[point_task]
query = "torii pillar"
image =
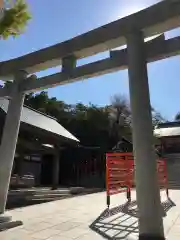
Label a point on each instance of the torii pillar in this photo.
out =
(147, 187)
(9, 140)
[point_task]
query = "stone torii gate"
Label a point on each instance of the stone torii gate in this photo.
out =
(130, 30)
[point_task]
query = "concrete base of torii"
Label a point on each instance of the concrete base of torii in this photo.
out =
(151, 238)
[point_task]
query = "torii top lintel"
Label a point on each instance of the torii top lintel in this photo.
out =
(156, 19)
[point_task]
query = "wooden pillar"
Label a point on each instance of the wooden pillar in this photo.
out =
(55, 176)
(19, 164)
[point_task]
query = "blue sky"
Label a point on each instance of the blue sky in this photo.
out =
(58, 20)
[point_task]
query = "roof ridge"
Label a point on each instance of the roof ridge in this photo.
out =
(168, 124)
(35, 110)
(50, 125)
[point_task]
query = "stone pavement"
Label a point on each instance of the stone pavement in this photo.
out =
(86, 218)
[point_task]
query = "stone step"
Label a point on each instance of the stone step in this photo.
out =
(51, 195)
(47, 198)
(21, 195)
(40, 193)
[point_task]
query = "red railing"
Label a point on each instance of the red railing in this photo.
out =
(120, 174)
(162, 175)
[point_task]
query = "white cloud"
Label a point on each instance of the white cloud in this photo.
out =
(126, 8)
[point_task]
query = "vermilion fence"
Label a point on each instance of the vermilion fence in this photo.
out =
(120, 172)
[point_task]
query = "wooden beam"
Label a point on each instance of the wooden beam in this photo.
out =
(156, 19)
(118, 61)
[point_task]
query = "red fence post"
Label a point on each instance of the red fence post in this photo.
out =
(166, 178)
(107, 181)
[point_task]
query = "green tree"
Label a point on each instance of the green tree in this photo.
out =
(38, 101)
(157, 117)
(93, 125)
(14, 19)
(120, 118)
(177, 117)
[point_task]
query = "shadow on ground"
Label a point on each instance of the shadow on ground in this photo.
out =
(24, 203)
(122, 222)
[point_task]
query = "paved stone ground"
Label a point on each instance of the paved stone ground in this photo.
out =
(86, 218)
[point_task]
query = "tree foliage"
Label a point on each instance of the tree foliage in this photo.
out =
(120, 117)
(93, 125)
(14, 19)
(157, 117)
(177, 117)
